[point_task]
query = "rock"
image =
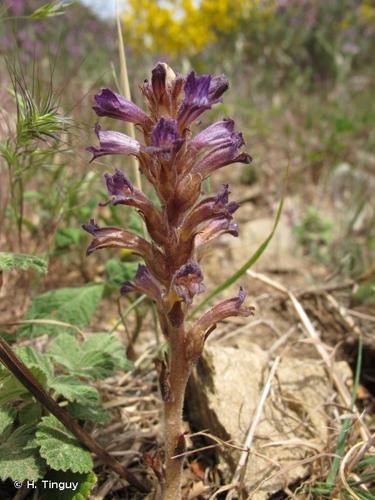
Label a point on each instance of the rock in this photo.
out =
(282, 251)
(223, 395)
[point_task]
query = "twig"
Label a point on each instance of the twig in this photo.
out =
(250, 435)
(313, 334)
(45, 322)
(26, 378)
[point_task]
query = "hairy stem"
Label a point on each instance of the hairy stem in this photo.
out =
(179, 371)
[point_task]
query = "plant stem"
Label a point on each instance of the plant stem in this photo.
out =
(180, 368)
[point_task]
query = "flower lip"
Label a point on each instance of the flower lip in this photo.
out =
(118, 183)
(113, 105)
(188, 281)
(91, 227)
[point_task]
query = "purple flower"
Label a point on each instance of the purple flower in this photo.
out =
(115, 106)
(213, 135)
(113, 143)
(223, 310)
(188, 281)
(123, 192)
(144, 282)
(219, 84)
(214, 208)
(165, 137)
(16, 6)
(225, 154)
(216, 228)
(115, 237)
(201, 92)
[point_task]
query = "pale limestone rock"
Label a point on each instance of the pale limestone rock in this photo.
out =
(223, 396)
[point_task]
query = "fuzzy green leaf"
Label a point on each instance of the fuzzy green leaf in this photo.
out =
(118, 272)
(74, 389)
(7, 416)
(19, 458)
(85, 484)
(60, 448)
(95, 413)
(35, 359)
(11, 388)
(97, 357)
(30, 414)
(9, 261)
(70, 305)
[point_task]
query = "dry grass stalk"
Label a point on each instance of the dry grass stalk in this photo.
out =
(322, 351)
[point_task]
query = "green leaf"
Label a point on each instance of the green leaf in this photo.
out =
(85, 484)
(60, 448)
(35, 359)
(7, 416)
(97, 357)
(30, 414)
(11, 388)
(70, 305)
(365, 293)
(96, 414)
(232, 279)
(74, 389)
(118, 272)
(66, 237)
(9, 261)
(19, 458)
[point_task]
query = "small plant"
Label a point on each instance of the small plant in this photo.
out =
(37, 447)
(175, 163)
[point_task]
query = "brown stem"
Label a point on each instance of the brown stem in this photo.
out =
(179, 371)
(24, 375)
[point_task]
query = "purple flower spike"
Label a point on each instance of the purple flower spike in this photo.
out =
(113, 143)
(223, 310)
(115, 106)
(188, 281)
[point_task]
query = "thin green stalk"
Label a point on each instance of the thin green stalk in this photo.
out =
(128, 310)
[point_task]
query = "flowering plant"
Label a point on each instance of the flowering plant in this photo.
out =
(176, 163)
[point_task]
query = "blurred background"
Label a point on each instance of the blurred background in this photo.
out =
(301, 91)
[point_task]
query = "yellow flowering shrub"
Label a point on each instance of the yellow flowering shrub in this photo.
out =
(184, 26)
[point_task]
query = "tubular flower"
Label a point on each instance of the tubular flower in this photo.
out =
(113, 143)
(175, 162)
